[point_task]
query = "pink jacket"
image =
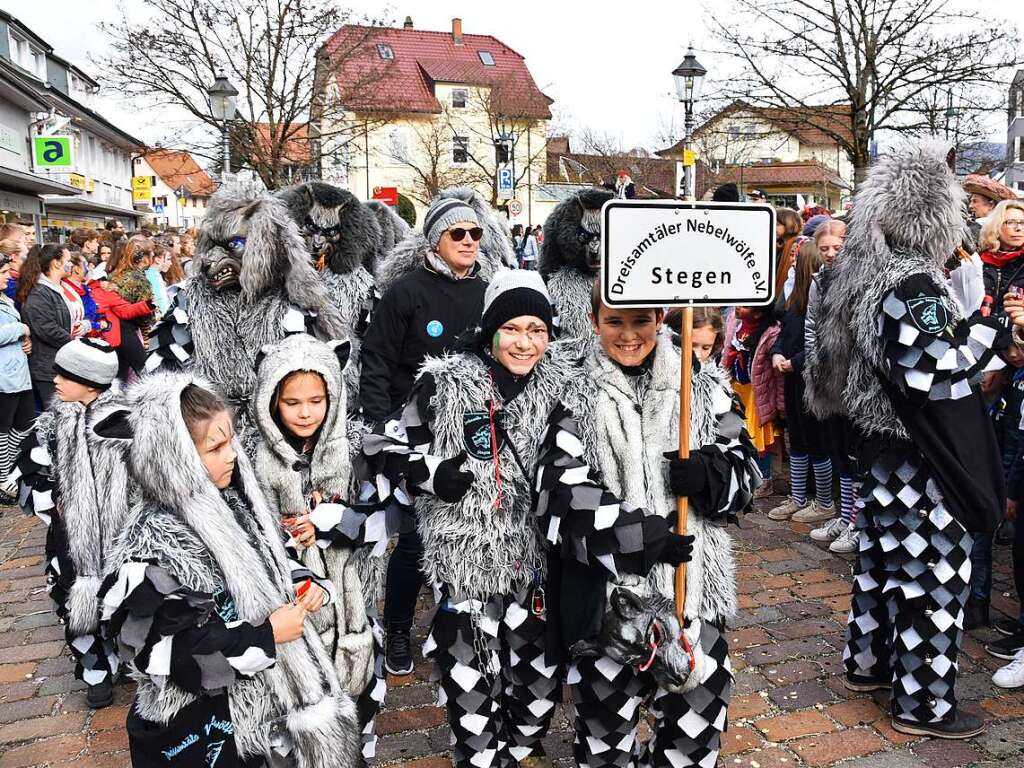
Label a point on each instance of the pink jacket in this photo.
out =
(769, 393)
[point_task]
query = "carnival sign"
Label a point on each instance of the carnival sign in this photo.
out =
(663, 253)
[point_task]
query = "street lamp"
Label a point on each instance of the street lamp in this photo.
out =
(951, 114)
(689, 78)
(222, 103)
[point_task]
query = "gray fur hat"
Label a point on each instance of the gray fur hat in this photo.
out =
(445, 212)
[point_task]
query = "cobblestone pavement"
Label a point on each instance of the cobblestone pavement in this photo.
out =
(789, 707)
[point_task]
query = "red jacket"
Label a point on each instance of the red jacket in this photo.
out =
(114, 309)
(769, 388)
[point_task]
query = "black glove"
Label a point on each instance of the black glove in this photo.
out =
(678, 549)
(686, 477)
(450, 481)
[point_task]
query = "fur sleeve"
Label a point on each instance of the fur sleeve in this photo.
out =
(170, 341)
(359, 525)
(926, 353)
(730, 462)
(581, 517)
(169, 632)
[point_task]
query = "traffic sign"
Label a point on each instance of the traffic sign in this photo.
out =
(689, 157)
(52, 151)
(158, 208)
(506, 182)
(514, 207)
(661, 253)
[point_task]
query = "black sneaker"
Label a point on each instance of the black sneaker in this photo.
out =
(864, 684)
(1007, 627)
(976, 614)
(1006, 647)
(398, 653)
(963, 726)
(100, 695)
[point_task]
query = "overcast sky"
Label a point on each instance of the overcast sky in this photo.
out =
(609, 71)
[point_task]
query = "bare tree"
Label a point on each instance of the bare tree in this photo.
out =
(271, 52)
(872, 61)
(428, 154)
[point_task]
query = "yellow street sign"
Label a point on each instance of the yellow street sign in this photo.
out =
(689, 157)
(140, 183)
(141, 195)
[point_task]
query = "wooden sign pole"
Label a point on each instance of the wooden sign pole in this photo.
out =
(685, 391)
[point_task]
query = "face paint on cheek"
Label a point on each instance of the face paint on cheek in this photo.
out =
(496, 343)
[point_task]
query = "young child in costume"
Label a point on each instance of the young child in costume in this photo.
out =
(492, 638)
(71, 476)
(626, 402)
(304, 461)
(209, 609)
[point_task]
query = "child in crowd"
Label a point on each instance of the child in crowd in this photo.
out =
(201, 596)
(17, 407)
(304, 461)
(806, 444)
(707, 331)
(76, 290)
(749, 337)
(71, 476)
(626, 425)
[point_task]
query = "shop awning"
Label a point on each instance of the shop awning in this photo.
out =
(31, 184)
(57, 204)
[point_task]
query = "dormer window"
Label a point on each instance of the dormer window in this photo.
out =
(486, 58)
(385, 52)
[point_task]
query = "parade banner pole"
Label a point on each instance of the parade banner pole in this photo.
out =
(685, 393)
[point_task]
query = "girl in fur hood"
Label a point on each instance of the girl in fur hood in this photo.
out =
(626, 400)
(201, 596)
(71, 476)
(304, 460)
(487, 408)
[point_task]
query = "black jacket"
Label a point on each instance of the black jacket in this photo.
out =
(998, 280)
(48, 317)
(790, 343)
(422, 314)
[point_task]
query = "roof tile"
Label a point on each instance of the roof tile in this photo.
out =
(179, 169)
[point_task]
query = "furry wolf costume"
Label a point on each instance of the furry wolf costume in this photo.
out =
(252, 284)
(343, 553)
(196, 575)
(495, 255)
(626, 424)
(71, 476)
(570, 258)
(346, 239)
(894, 352)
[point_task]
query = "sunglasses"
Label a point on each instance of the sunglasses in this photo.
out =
(458, 234)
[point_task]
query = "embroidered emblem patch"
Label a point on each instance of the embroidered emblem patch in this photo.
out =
(435, 328)
(476, 429)
(928, 313)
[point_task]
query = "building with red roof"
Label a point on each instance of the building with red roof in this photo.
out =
(433, 106)
(177, 191)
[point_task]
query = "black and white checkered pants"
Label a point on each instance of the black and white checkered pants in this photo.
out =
(911, 582)
(500, 692)
(95, 657)
(371, 699)
(607, 698)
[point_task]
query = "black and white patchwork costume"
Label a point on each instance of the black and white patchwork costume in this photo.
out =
(188, 594)
(217, 332)
(71, 476)
(570, 258)
(627, 421)
(896, 354)
(351, 560)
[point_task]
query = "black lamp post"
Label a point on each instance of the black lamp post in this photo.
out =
(689, 79)
(222, 103)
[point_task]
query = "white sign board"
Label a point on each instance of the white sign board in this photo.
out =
(662, 253)
(514, 208)
(505, 182)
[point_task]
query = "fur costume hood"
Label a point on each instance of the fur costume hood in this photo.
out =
(184, 524)
(341, 233)
(495, 255)
(392, 227)
(343, 626)
(564, 243)
(274, 255)
(884, 245)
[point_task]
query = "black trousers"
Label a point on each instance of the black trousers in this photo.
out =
(404, 578)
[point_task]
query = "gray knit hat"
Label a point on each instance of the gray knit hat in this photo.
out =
(444, 213)
(88, 361)
(514, 293)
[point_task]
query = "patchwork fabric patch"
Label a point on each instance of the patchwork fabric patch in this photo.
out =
(928, 313)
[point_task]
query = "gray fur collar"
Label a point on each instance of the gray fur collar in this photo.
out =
(570, 296)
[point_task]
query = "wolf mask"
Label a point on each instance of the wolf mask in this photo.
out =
(572, 234)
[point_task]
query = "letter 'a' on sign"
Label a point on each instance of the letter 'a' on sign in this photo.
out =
(666, 253)
(52, 152)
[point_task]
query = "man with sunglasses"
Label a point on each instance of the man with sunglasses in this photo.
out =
(421, 314)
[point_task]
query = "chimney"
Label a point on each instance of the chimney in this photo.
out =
(457, 31)
(408, 23)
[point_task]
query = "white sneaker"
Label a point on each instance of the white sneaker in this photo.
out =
(815, 513)
(829, 530)
(786, 509)
(846, 542)
(1012, 675)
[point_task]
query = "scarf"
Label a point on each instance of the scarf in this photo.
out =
(1000, 259)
